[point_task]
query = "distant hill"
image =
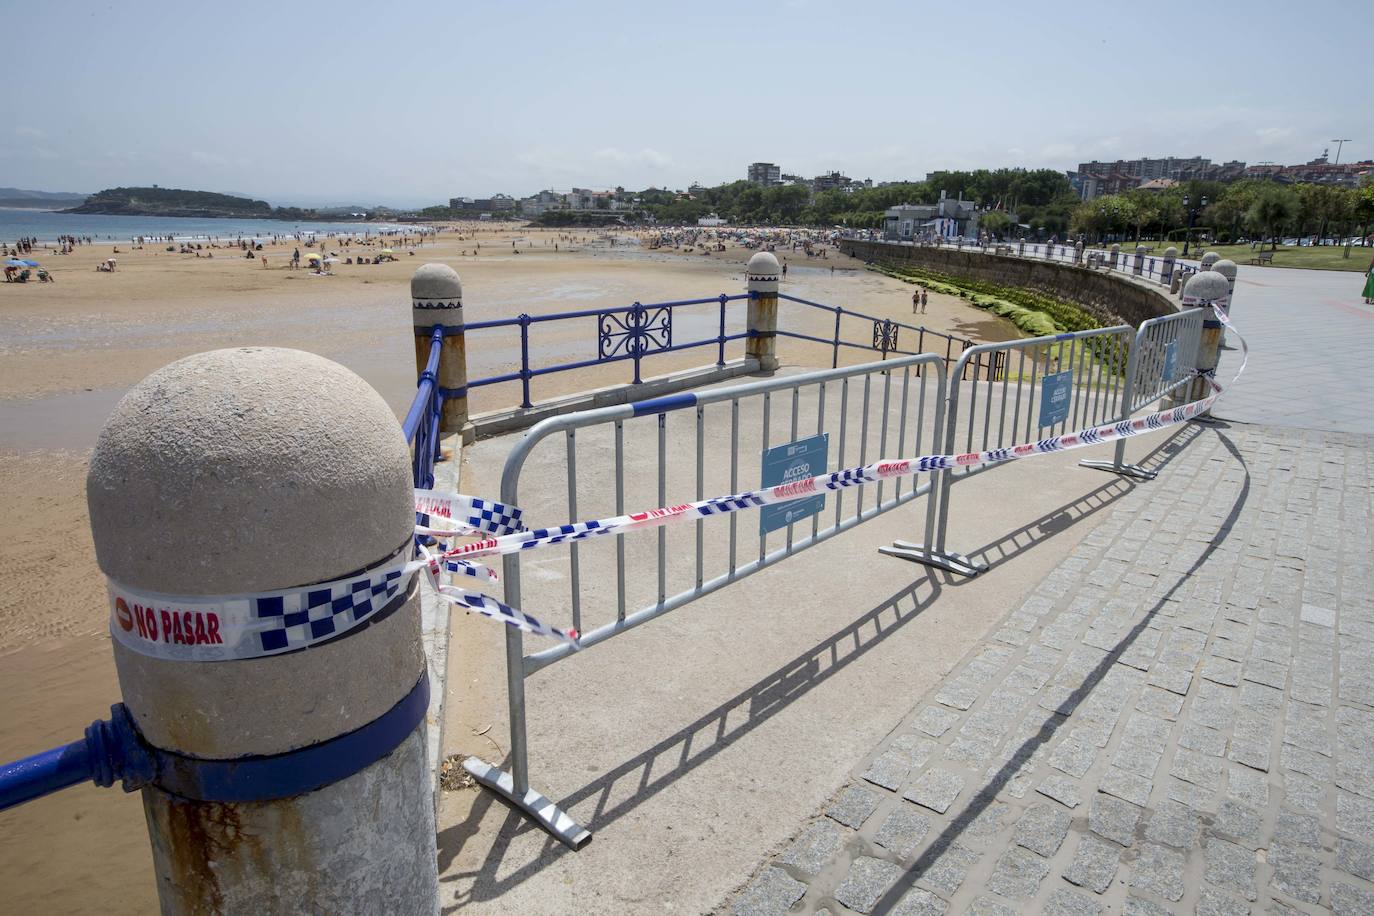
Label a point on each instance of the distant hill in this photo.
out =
(22, 198)
(178, 202)
(172, 202)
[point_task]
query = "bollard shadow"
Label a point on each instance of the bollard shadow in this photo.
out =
(660, 766)
(1055, 720)
(1034, 533)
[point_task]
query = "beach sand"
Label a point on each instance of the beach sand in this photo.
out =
(72, 348)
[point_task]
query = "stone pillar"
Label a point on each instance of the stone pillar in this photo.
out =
(1207, 260)
(237, 473)
(1049, 251)
(1227, 268)
(1166, 267)
(1139, 267)
(1176, 281)
(1203, 289)
(436, 298)
(1021, 247)
(1078, 252)
(762, 273)
(1116, 256)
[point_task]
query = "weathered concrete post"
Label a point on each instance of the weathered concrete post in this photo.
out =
(1207, 260)
(1021, 247)
(238, 499)
(436, 299)
(762, 273)
(1139, 267)
(1078, 252)
(1115, 256)
(1227, 268)
(1203, 289)
(1166, 267)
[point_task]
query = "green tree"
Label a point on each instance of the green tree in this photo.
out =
(1274, 208)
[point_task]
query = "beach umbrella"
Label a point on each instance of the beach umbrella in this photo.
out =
(387, 251)
(312, 257)
(20, 262)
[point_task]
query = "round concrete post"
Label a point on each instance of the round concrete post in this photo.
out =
(1166, 268)
(436, 299)
(1078, 252)
(218, 478)
(1203, 289)
(1116, 256)
(762, 273)
(1139, 267)
(1021, 247)
(1207, 260)
(1227, 268)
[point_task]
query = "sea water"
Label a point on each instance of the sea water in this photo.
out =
(47, 225)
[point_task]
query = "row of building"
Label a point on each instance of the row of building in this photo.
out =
(768, 174)
(1094, 179)
(500, 206)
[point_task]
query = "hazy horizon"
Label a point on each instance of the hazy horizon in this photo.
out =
(350, 104)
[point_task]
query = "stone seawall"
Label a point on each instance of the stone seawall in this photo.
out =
(1109, 297)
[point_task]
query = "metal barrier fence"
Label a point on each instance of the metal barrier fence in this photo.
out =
(1161, 362)
(867, 411)
(421, 423)
(1042, 386)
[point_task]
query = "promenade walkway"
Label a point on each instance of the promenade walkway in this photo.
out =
(1178, 718)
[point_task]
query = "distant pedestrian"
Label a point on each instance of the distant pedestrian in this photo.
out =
(1369, 284)
(915, 301)
(924, 300)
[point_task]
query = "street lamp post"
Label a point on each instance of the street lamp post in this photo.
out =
(1192, 218)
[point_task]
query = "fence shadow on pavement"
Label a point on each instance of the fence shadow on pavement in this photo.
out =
(1034, 533)
(1054, 720)
(712, 733)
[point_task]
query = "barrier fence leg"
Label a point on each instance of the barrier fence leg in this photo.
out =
(933, 552)
(1118, 463)
(514, 786)
(293, 758)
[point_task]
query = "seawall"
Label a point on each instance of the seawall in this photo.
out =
(1110, 297)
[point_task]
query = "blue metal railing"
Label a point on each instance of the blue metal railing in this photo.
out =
(421, 424)
(886, 334)
(623, 334)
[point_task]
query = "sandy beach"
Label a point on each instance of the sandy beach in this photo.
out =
(72, 348)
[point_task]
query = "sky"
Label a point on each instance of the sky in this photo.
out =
(409, 104)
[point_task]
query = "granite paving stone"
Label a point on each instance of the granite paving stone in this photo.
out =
(1114, 819)
(988, 906)
(810, 851)
(945, 868)
(1042, 828)
(770, 894)
(1297, 873)
(1160, 871)
(935, 721)
(889, 770)
(918, 902)
(1064, 902)
(1060, 788)
(902, 831)
(854, 806)
(1094, 864)
(1354, 815)
(1231, 867)
(1214, 903)
(867, 881)
(1018, 874)
(1355, 858)
(1351, 900)
(1239, 822)
(935, 789)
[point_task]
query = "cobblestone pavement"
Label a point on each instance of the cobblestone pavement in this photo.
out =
(1178, 719)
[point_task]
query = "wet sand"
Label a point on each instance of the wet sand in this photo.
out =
(72, 348)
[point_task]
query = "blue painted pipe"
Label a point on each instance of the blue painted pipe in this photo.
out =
(44, 773)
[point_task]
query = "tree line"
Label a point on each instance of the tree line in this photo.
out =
(1248, 209)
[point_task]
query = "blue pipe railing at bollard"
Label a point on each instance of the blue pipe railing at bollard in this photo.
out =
(111, 750)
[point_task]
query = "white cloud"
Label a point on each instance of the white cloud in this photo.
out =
(1274, 136)
(205, 158)
(32, 133)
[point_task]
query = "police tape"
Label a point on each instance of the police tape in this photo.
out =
(848, 477)
(213, 628)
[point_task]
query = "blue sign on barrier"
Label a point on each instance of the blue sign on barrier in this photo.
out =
(784, 464)
(1170, 360)
(1055, 393)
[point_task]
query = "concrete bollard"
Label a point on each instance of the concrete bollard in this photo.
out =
(1166, 267)
(1203, 289)
(1049, 251)
(1078, 252)
(1176, 281)
(1207, 260)
(1021, 248)
(1139, 267)
(436, 299)
(1227, 268)
(1116, 256)
(762, 274)
(217, 480)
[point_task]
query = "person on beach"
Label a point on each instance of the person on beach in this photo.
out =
(915, 301)
(924, 299)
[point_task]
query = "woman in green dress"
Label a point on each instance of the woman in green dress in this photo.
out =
(1369, 285)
